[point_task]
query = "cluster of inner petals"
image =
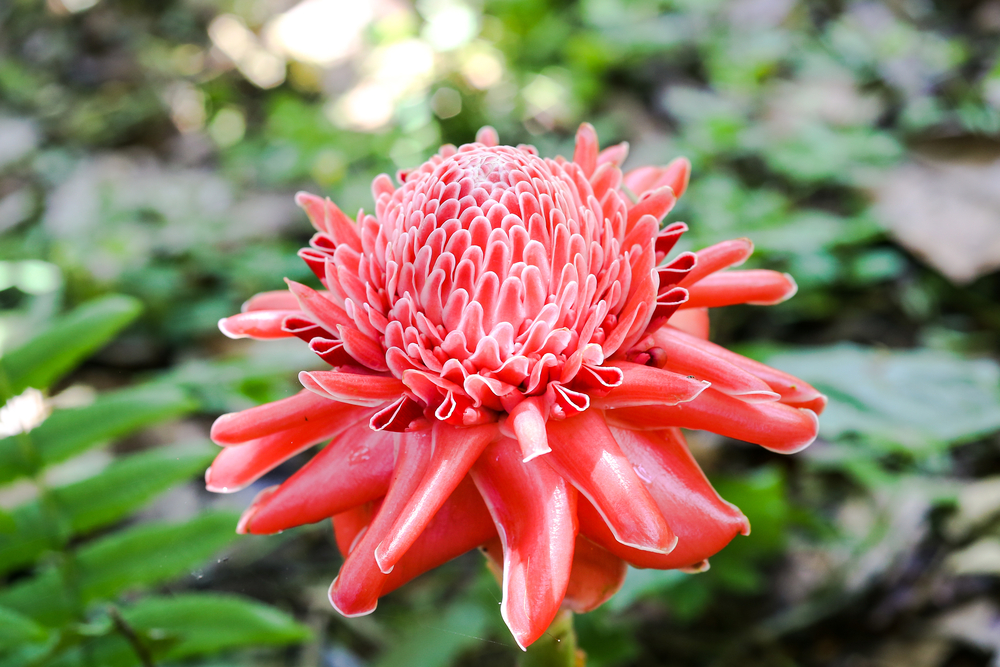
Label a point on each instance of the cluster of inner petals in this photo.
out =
(490, 275)
(512, 359)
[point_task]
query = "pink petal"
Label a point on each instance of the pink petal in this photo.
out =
(774, 426)
(693, 321)
(236, 428)
(322, 309)
(674, 272)
(403, 414)
(675, 175)
(259, 324)
(454, 451)
(363, 349)
(352, 470)
(757, 287)
(656, 203)
(646, 385)
(687, 359)
(351, 524)
(236, 467)
(356, 589)
(586, 454)
(717, 257)
(528, 422)
(331, 351)
(463, 523)
(353, 388)
(793, 391)
(303, 328)
(667, 238)
(703, 521)
(326, 217)
(537, 537)
(596, 576)
(487, 136)
(585, 154)
(613, 154)
(275, 300)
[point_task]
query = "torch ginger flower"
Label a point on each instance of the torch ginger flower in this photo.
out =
(512, 361)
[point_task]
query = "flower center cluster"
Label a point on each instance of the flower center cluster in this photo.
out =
(497, 273)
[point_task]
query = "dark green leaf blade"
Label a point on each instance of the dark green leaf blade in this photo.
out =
(66, 342)
(186, 625)
(16, 629)
(209, 622)
(915, 399)
(122, 487)
(71, 431)
(139, 556)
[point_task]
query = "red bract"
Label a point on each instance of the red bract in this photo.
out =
(512, 360)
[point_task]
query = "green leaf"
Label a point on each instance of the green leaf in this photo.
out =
(65, 343)
(207, 623)
(119, 489)
(16, 630)
(140, 556)
(915, 399)
(190, 624)
(8, 524)
(69, 432)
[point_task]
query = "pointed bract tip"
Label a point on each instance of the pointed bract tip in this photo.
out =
(697, 568)
(535, 454)
(681, 168)
(215, 488)
(243, 527)
(487, 136)
(794, 289)
(521, 636)
(229, 333)
(331, 592)
(380, 559)
(217, 433)
(749, 246)
(812, 438)
(303, 198)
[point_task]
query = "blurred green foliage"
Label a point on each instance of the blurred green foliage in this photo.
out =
(141, 155)
(66, 578)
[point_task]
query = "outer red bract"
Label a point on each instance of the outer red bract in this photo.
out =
(512, 360)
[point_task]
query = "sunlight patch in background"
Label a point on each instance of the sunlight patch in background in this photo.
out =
(320, 32)
(238, 43)
(449, 24)
(393, 72)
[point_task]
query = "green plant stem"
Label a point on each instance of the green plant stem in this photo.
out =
(557, 647)
(145, 657)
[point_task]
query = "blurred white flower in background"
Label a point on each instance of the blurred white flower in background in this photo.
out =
(22, 413)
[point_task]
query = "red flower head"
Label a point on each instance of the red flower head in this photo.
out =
(512, 361)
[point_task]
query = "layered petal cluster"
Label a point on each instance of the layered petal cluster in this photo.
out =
(513, 353)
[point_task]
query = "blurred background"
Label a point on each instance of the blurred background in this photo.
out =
(149, 152)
